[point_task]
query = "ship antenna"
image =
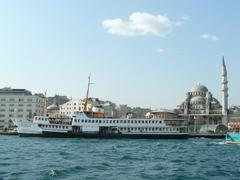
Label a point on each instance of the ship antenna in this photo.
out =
(86, 99)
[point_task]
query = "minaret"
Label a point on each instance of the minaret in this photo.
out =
(224, 93)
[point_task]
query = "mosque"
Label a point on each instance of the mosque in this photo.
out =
(202, 109)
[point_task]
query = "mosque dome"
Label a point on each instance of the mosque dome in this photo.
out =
(53, 107)
(199, 88)
(197, 100)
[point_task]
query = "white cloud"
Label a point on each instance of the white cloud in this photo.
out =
(160, 50)
(210, 37)
(142, 23)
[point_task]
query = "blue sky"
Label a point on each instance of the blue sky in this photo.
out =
(142, 53)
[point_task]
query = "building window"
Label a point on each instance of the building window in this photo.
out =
(20, 105)
(3, 104)
(3, 100)
(11, 100)
(20, 100)
(20, 110)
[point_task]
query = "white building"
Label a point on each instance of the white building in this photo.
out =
(70, 108)
(19, 103)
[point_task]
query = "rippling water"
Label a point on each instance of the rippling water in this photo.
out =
(50, 158)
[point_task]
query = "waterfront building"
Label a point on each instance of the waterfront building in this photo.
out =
(162, 114)
(53, 104)
(70, 108)
(19, 103)
(201, 108)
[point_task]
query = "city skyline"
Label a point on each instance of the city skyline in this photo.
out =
(145, 53)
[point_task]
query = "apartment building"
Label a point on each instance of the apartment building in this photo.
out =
(19, 103)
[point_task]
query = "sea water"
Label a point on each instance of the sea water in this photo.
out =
(62, 158)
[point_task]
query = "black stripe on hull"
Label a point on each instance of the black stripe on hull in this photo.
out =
(97, 135)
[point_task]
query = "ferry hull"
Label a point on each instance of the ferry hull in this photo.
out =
(107, 136)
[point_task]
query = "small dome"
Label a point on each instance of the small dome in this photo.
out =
(53, 107)
(197, 100)
(199, 88)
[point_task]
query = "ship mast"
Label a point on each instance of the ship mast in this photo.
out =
(86, 99)
(45, 103)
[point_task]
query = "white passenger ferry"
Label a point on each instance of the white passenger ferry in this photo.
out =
(91, 125)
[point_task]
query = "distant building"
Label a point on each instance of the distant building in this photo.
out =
(70, 108)
(19, 103)
(57, 99)
(53, 104)
(162, 114)
(123, 110)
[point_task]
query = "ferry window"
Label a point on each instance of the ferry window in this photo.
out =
(113, 121)
(96, 121)
(152, 129)
(131, 129)
(100, 121)
(103, 121)
(131, 121)
(156, 129)
(85, 121)
(75, 120)
(124, 121)
(153, 122)
(63, 127)
(145, 129)
(89, 121)
(139, 121)
(146, 121)
(125, 129)
(78, 120)
(135, 129)
(149, 121)
(66, 127)
(82, 120)
(177, 129)
(46, 126)
(117, 121)
(106, 121)
(128, 121)
(160, 122)
(46, 119)
(110, 121)
(93, 121)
